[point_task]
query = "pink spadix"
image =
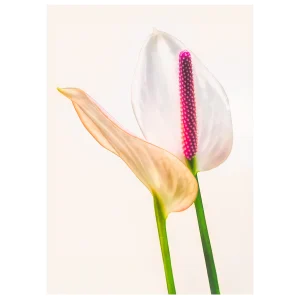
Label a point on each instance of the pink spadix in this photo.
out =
(187, 105)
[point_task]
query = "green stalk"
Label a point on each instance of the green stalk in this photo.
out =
(164, 245)
(208, 254)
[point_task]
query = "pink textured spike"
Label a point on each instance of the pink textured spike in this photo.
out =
(187, 105)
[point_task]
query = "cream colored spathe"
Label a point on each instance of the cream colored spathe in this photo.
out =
(162, 173)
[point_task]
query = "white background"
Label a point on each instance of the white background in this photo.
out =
(101, 223)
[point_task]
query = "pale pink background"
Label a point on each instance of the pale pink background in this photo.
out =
(102, 235)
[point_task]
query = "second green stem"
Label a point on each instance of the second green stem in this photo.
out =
(208, 254)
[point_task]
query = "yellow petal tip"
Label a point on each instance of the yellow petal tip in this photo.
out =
(60, 90)
(68, 92)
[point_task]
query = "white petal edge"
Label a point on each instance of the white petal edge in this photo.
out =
(161, 172)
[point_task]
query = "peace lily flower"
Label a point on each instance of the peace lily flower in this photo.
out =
(179, 104)
(181, 107)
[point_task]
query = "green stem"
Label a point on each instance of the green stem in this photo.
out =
(164, 245)
(208, 254)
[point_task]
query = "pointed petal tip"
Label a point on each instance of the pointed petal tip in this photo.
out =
(62, 91)
(68, 92)
(155, 31)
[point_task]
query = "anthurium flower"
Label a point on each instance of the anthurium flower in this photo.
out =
(179, 104)
(166, 177)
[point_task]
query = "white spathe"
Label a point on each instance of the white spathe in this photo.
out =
(156, 102)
